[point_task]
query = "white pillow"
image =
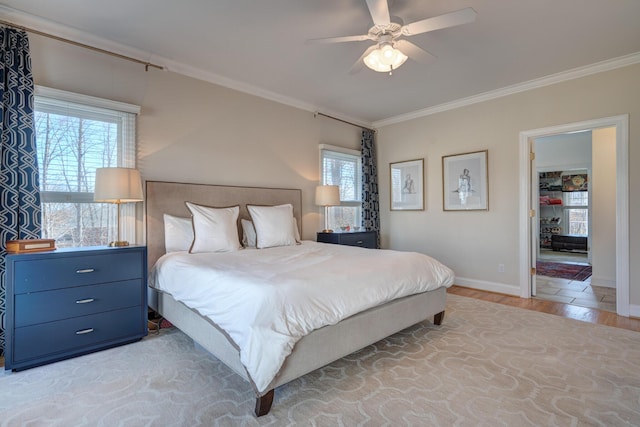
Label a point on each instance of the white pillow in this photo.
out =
(296, 232)
(178, 233)
(214, 229)
(249, 233)
(273, 224)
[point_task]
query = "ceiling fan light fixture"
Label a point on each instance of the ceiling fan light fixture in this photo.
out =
(385, 58)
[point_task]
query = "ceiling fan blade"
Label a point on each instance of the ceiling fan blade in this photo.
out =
(414, 52)
(339, 39)
(379, 10)
(359, 64)
(463, 16)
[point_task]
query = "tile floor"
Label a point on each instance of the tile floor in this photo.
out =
(576, 293)
(572, 291)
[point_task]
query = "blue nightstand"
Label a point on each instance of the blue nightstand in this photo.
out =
(70, 302)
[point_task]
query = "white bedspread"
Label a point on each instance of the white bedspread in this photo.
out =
(267, 299)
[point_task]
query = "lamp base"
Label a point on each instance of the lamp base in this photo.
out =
(327, 231)
(118, 243)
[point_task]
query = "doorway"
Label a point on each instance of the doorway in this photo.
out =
(529, 209)
(567, 193)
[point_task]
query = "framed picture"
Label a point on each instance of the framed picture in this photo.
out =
(578, 182)
(465, 182)
(407, 185)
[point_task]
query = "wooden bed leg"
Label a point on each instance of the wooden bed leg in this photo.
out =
(438, 318)
(263, 403)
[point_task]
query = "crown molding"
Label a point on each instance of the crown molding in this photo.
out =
(563, 76)
(200, 74)
(27, 20)
(49, 27)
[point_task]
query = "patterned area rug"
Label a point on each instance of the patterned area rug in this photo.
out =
(487, 365)
(579, 272)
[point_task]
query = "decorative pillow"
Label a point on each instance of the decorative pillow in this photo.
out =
(178, 233)
(214, 229)
(296, 231)
(273, 224)
(249, 233)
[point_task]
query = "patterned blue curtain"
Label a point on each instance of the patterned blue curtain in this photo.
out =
(20, 216)
(370, 198)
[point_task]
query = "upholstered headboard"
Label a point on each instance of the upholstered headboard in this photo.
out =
(169, 197)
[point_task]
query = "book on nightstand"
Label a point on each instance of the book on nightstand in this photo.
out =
(23, 246)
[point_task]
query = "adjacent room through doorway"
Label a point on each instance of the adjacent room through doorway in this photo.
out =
(567, 234)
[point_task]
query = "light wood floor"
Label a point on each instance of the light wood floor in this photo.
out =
(591, 315)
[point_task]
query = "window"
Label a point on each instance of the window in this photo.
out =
(343, 167)
(576, 212)
(76, 134)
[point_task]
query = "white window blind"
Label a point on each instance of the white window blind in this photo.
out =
(343, 167)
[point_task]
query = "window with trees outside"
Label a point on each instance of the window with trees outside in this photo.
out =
(75, 134)
(343, 167)
(576, 211)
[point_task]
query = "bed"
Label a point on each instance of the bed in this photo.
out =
(316, 348)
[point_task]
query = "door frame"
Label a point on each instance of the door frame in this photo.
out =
(621, 123)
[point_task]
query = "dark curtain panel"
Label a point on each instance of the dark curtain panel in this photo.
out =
(370, 198)
(20, 216)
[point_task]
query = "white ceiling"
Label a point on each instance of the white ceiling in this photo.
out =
(259, 46)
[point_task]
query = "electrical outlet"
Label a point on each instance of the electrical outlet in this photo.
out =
(500, 268)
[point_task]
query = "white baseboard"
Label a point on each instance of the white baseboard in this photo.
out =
(482, 285)
(634, 310)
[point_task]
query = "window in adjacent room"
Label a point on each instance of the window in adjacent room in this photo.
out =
(75, 134)
(343, 167)
(576, 211)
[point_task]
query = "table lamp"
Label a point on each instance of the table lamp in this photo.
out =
(118, 185)
(327, 195)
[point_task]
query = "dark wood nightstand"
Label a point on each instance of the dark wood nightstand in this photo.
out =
(364, 239)
(69, 302)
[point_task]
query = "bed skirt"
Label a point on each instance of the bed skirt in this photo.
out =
(315, 350)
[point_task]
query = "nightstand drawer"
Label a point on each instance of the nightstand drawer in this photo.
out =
(363, 239)
(48, 306)
(78, 333)
(62, 272)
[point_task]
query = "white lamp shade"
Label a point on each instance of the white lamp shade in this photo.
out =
(327, 195)
(118, 185)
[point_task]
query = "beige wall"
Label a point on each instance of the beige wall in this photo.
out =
(190, 130)
(603, 205)
(193, 131)
(475, 243)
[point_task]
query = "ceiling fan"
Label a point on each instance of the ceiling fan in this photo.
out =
(390, 51)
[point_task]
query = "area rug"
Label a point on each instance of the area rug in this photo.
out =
(579, 272)
(486, 365)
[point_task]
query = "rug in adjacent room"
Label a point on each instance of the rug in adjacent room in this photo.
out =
(560, 270)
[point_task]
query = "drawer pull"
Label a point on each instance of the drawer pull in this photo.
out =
(84, 331)
(85, 301)
(359, 242)
(85, 270)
